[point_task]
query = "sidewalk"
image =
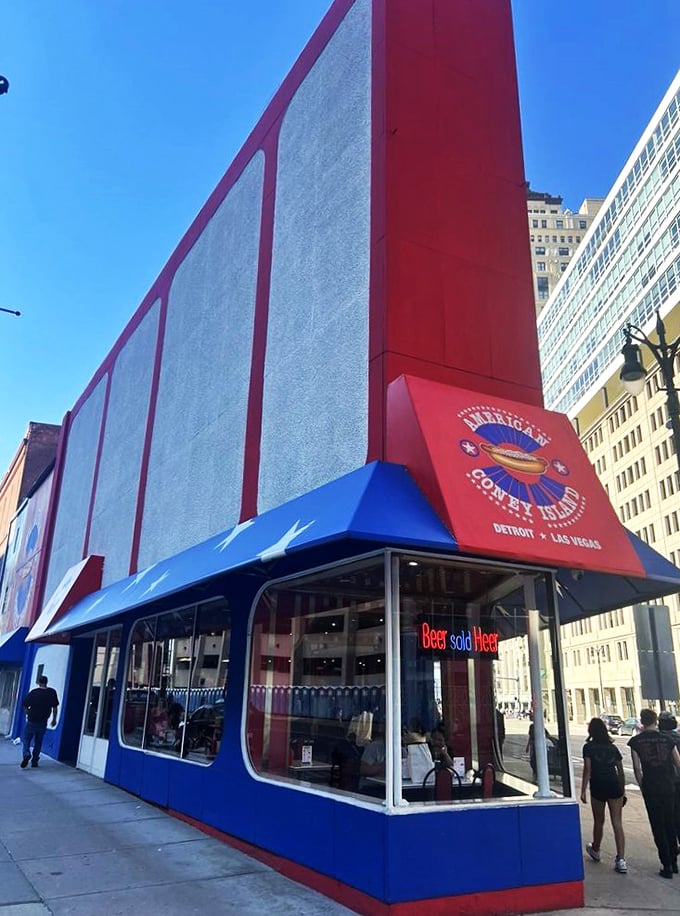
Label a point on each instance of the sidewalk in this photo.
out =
(640, 891)
(72, 844)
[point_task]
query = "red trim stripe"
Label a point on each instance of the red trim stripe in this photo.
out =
(50, 520)
(377, 250)
(97, 462)
(148, 435)
(253, 437)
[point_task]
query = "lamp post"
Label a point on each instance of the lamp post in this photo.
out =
(633, 377)
(633, 372)
(599, 651)
(10, 311)
(515, 680)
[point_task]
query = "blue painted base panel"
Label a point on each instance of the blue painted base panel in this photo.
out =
(392, 857)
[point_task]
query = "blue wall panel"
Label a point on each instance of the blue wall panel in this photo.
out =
(188, 790)
(294, 824)
(131, 766)
(550, 843)
(156, 779)
(237, 814)
(359, 842)
(113, 762)
(70, 718)
(453, 852)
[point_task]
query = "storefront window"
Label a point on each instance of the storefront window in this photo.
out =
(316, 700)
(459, 626)
(177, 671)
(102, 694)
(319, 710)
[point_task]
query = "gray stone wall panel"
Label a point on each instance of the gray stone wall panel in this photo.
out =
(315, 409)
(76, 488)
(196, 463)
(115, 504)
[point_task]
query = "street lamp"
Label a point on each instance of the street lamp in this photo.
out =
(515, 680)
(600, 651)
(632, 376)
(10, 311)
(632, 372)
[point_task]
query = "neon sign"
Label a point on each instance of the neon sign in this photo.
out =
(474, 640)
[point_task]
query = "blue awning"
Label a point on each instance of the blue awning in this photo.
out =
(13, 646)
(582, 593)
(376, 504)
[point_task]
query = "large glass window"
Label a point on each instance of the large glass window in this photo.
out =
(100, 703)
(177, 673)
(316, 698)
(472, 650)
(464, 649)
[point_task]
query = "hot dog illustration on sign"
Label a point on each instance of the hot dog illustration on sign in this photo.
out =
(524, 478)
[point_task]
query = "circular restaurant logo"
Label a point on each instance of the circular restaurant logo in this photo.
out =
(512, 466)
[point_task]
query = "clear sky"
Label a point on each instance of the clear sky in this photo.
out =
(122, 115)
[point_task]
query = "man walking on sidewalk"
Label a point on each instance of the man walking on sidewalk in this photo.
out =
(38, 703)
(668, 725)
(654, 757)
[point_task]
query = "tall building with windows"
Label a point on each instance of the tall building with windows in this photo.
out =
(555, 234)
(627, 268)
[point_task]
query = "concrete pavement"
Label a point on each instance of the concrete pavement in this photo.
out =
(640, 891)
(72, 844)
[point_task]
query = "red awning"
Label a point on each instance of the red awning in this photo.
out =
(511, 480)
(80, 580)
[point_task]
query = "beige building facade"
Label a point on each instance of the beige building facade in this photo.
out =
(626, 270)
(555, 234)
(632, 450)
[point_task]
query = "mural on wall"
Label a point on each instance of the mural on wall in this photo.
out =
(17, 592)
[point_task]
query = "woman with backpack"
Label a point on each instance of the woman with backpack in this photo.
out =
(603, 772)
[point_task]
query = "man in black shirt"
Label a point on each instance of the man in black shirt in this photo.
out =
(38, 703)
(654, 758)
(668, 725)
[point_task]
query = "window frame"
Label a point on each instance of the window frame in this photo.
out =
(394, 801)
(196, 607)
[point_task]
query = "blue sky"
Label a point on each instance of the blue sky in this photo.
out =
(123, 115)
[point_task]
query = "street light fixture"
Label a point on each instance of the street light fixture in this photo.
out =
(632, 372)
(632, 376)
(10, 311)
(600, 651)
(516, 681)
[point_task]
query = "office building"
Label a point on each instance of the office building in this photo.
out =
(627, 268)
(555, 233)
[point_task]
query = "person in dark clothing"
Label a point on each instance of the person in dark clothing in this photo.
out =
(441, 752)
(346, 764)
(603, 772)
(668, 725)
(38, 703)
(500, 730)
(654, 758)
(531, 747)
